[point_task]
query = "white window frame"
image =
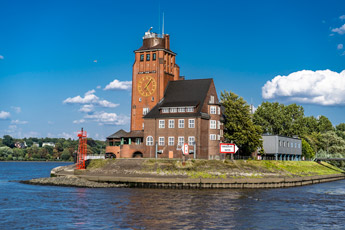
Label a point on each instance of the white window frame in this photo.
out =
(145, 110)
(161, 124)
(180, 141)
(191, 140)
(181, 123)
(218, 137)
(189, 109)
(171, 124)
(211, 99)
(173, 110)
(213, 124)
(181, 109)
(161, 141)
(191, 123)
(149, 140)
(213, 137)
(165, 110)
(171, 141)
(213, 109)
(218, 110)
(218, 125)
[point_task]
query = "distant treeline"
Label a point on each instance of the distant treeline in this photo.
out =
(43, 149)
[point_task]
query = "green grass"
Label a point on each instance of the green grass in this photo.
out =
(98, 163)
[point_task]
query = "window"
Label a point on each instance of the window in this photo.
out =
(299, 145)
(218, 127)
(181, 109)
(180, 141)
(288, 144)
(161, 141)
(284, 143)
(143, 125)
(137, 141)
(190, 109)
(212, 124)
(171, 141)
(142, 57)
(149, 141)
(145, 111)
(154, 56)
(161, 124)
(165, 110)
(212, 99)
(218, 137)
(152, 98)
(191, 140)
(280, 143)
(139, 99)
(218, 110)
(213, 137)
(147, 57)
(173, 110)
(213, 109)
(191, 123)
(171, 124)
(181, 123)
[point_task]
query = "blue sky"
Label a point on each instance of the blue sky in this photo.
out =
(51, 52)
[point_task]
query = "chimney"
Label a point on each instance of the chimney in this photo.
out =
(167, 41)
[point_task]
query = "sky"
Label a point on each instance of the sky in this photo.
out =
(68, 64)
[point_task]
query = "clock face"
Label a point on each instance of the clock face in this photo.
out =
(147, 86)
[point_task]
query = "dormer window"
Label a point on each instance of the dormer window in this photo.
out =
(189, 109)
(147, 57)
(165, 110)
(173, 110)
(181, 109)
(154, 56)
(142, 57)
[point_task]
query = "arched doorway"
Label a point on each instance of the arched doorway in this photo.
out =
(138, 155)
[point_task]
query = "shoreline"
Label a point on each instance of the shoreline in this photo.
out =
(145, 173)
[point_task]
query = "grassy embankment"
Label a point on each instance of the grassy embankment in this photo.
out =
(218, 169)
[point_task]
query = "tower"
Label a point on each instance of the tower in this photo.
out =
(153, 68)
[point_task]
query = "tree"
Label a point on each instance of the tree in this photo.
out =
(311, 124)
(340, 127)
(278, 119)
(8, 141)
(325, 124)
(307, 150)
(239, 127)
(332, 143)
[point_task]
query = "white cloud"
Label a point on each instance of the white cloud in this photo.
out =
(81, 121)
(98, 87)
(87, 108)
(322, 87)
(340, 46)
(18, 122)
(340, 30)
(67, 135)
(95, 61)
(104, 118)
(4, 115)
(16, 109)
(342, 17)
(119, 85)
(90, 98)
(1, 57)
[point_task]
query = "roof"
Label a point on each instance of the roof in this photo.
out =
(135, 133)
(118, 134)
(182, 93)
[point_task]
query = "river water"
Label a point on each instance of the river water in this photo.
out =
(23, 206)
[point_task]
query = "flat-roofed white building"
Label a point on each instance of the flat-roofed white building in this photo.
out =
(281, 147)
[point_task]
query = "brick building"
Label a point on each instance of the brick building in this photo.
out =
(168, 111)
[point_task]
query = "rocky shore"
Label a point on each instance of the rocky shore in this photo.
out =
(71, 182)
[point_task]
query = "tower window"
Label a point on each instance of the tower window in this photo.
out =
(147, 57)
(139, 99)
(142, 57)
(154, 56)
(145, 111)
(153, 99)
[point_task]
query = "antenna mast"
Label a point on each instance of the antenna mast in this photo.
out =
(163, 25)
